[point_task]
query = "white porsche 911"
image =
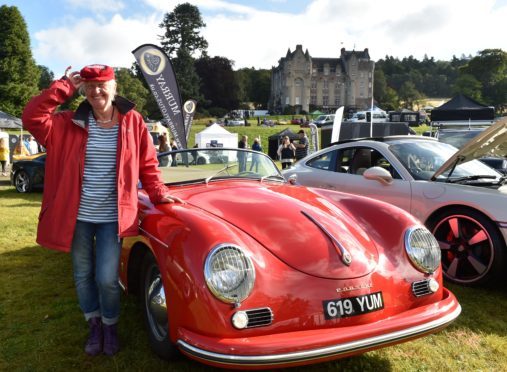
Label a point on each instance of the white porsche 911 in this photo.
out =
(461, 200)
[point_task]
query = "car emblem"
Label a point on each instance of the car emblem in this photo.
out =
(354, 287)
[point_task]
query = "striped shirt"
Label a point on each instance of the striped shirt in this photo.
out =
(99, 193)
(301, 152)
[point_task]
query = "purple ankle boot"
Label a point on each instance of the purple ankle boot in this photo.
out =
(94, 344)
(111, 342)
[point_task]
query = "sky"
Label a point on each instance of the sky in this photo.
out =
(258, 33)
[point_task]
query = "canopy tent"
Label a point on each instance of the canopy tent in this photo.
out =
(316, 113)
(9, 122)
(216, 136)
(462, 108)
(275, 139)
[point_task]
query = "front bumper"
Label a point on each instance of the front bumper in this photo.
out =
(315, 346)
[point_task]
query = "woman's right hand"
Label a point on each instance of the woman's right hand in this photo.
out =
(74, 77)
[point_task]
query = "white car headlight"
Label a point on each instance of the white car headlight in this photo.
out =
(422, 249)
(229, 273)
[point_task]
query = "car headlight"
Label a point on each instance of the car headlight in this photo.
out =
(422, 249)
(229, 273)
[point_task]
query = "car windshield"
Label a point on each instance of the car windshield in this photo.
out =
(423, 158)
(207, 164)
(457, 138)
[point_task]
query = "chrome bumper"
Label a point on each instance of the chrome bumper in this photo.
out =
(325, 352)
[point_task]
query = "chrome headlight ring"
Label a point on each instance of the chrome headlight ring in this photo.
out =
(422, 249)
(229, 273)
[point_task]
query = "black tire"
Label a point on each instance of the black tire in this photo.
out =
(201, 161)
(473, 250)
(22, 182)
(156, 320)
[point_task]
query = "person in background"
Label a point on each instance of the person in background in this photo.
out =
(163, 147)
(95, 159)
(33, 146)
(242, 156)
(4, 155)
(174, 147)
(302, 145)
(256, 146)
(21, 148)
(286, 152)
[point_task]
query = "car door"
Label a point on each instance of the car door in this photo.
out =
(352, 161)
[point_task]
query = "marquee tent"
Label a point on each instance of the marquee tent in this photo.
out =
(9, 122)
(462, 108)
(216, 136)
(275, 140)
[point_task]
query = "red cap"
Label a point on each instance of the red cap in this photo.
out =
(97, 73)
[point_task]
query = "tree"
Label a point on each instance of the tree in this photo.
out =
(180, 41)
(219, 84)
(130, 87)
(409, 94)
(490, 68)
(46, 77)
(468, 85)
(182, 30)
(254, 86)
(19, 74)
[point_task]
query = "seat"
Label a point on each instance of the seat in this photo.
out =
(360, 161)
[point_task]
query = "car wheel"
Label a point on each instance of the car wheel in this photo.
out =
(155, 309)
(22, 182)
(201, 161)
(472, 247)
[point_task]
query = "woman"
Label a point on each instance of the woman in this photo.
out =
(286, 152)
(174, 147)
(95, 158)
(256, 146)
(4, 155)
(163, 146)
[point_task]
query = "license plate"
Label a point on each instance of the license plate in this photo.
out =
(351, 306)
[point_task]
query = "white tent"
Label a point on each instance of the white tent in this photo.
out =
(216, 136)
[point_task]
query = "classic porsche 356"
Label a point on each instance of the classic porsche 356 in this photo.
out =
(252, 272)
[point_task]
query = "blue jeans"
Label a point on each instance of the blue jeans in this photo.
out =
(95, 259)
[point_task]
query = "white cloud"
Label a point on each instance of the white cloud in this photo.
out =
(97, 5)
(257, 38)
(88, 41)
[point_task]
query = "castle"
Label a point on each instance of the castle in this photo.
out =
(307, 83)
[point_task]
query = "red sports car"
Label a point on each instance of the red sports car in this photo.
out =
(252, 272)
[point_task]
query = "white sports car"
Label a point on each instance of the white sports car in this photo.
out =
(461, 200)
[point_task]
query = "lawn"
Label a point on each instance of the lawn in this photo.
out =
(42, 328)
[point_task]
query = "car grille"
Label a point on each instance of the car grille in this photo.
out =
(421, 288)
(259, 317)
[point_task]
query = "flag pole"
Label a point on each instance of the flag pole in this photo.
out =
(371, 112)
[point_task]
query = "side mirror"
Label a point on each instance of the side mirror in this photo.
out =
(292, 179)
(378, 174)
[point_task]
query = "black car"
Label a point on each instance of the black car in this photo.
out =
(459, 137)
(28, 174)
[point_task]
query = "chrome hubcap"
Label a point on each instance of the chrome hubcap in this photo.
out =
(156, 306)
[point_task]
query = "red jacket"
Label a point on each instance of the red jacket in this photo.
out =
(64, 135)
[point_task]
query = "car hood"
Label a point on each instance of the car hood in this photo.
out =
(492, 141)
(292, 229)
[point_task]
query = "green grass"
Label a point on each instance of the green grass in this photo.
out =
(42, 328)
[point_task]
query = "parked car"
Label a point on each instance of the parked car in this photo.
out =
(255, 272)
(28, 174)
(235, 122)
(461, 200)
(459, 137)
(324, 120)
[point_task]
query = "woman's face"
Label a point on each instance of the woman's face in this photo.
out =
(100, 94)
